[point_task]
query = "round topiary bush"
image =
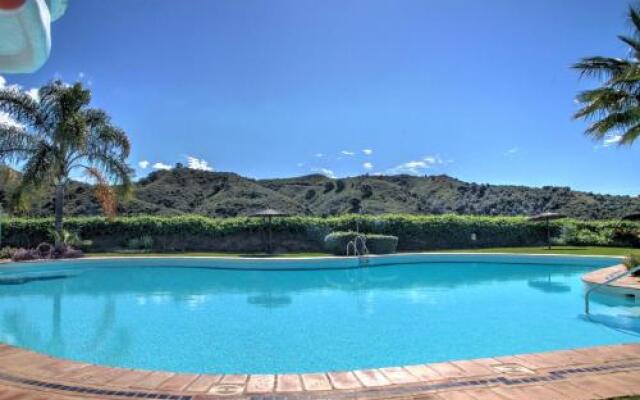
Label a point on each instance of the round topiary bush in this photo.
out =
(382, 244)
(336, 243)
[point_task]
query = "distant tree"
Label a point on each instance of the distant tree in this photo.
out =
(57, 134)
(328, 186)
(339, 185)
(310, 194)
(367, 191)
(615, 105)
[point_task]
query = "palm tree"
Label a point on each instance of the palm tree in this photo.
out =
(56, 134)
(615, 106)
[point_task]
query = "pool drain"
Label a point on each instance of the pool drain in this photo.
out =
(226, 390)
(513, 369)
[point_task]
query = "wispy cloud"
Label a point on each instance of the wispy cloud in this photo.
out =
(512, 152)
(198, 163)
(325, 171)
(419, 167)
(144, 164)
(3, 81)
(347, 153)
(160, 165)
(367, 152)
(611, 140)
(318, 155)
(367, 166)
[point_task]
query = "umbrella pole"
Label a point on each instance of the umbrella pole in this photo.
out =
(269, 248)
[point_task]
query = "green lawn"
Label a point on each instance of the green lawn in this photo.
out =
(206, 254)
(605, 251)
(577, 250)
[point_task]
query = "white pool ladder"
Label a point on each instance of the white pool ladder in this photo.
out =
(362, 255)
(608, 281)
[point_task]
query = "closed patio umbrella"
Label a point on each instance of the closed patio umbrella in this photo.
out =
(268, 214)
(547, 216)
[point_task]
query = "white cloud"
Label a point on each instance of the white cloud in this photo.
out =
(512, 151)
(144, 164)
(347, 153)
(199, 164)
(3, 82)
(419, 167)
(34, 94)
(367, 152)
(319, 155)
(367, 165)
(300, 165)
(326, 172)
(160, 165)
(611, 140)
(5, 119)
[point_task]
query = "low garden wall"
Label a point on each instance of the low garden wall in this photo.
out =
(415, 233)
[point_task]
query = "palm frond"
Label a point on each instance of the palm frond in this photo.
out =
(15, 143)
(601, 67)
(630, 135)
(39, 169)
(599, 102)
(634, 16)
(22, 108)
(614, 121)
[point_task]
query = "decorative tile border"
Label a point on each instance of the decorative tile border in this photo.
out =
(32, 371)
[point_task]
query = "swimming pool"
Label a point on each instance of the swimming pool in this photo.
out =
(277, 316)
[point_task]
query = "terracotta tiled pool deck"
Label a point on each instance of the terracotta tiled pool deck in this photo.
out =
(591, 373)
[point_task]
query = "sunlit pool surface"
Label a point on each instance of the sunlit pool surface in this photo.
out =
(188, 315)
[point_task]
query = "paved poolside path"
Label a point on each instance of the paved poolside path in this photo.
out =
(593, 373)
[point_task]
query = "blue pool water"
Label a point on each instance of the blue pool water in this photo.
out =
(188, 315)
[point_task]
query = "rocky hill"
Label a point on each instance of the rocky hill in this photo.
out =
(220, 194)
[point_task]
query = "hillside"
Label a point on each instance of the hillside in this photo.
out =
(221, 194)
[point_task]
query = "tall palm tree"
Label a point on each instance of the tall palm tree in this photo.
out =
(56, 134)
(614, 107)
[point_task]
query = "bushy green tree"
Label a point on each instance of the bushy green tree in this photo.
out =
(55, 134)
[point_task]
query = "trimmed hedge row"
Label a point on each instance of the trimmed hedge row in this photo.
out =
(414, 232)
(336, 243)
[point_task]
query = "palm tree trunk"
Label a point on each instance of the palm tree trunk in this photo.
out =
(59, 207)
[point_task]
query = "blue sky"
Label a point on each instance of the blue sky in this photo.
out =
(481, 91)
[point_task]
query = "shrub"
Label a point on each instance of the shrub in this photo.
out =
(25, 255)
(5, 253)
(336, 243)
(632, 261)
(142, 243)
(415, 232)
(382, 244)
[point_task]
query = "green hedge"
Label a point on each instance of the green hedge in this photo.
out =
(413, 232)
(336, 243)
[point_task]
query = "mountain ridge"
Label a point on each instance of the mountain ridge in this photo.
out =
(226, 194)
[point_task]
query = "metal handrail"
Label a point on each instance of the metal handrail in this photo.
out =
(354, 243)
(605, 283)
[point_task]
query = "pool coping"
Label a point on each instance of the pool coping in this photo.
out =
(36, 373)
(625, 286)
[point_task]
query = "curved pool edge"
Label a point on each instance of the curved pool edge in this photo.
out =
(335, 262)
(37, 373)
(627, 286)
